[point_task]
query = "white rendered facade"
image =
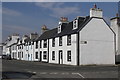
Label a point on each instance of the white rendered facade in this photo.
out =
(64, 48)
(116, 28)
(100, 46)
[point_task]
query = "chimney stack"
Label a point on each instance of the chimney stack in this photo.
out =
(96, 12)
(24, 38)
(33, 35)
(44, 28)
(15, 36)
(64, 19)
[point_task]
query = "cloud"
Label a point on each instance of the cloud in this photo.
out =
(58, 9)
(29, 0)
(10, 29)
(45, 5)
(10, 12)
(15, 28)
(58, 12)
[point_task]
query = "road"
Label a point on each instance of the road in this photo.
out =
(14, 69)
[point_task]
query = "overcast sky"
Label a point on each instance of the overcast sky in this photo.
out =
(28, 17)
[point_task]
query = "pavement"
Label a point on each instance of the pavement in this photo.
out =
(15, 69)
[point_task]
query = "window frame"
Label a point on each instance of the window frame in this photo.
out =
(41, 44)
(53, 42)
(69, 56)
(36, 46)
(59, 28)
(22, 54)
(75, 25)
(44, 54)
(60, 41)
(69, 39)
(36, 55)
(45, 43)
(53, 55)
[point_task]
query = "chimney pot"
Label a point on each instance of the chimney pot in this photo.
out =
(64, 19)
(44, 28)
(95, 6)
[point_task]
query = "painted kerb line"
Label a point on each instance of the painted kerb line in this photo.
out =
(78, 74)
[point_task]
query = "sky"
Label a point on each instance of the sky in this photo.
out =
(27, 17)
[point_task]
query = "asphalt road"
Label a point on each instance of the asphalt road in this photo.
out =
(13, 69)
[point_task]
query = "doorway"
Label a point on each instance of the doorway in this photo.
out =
(60, 57)
(40, 56)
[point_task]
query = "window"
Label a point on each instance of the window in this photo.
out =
(29, 43)
(68, 55)
(69, 40)
(75, 24)
(59, 27)
(53, 42)
(60, 41)
(40, 44)
(32, 43)
(20, 41)
(13, 54)
(36, 44)
(53, 55)
(45, 44)
(36, 55)
(22, 54)
(45, 55)
(20, 47)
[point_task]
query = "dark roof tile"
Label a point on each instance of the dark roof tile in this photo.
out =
(67, 29)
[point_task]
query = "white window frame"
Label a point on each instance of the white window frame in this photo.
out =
(75, 24)
(59, 27)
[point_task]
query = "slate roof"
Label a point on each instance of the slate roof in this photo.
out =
(48, 34)
(68, 29)
(115, 18)
(29, 40)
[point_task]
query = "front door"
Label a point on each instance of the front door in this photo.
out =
(40, 56)
(60, 57)
(31, 57)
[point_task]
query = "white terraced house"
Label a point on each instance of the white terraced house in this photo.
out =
(115, 25)
(84, 41)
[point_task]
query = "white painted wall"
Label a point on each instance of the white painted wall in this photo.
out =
(40, 49)
(14, 51)
(100, 43)
(94, 12)
(4, 49)
(64, 48)
(36, 50)
(116, 29)
(44, 49)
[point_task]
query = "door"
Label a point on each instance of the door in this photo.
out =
(60, 57)
(20, 55)
(31, 57)
(40, 56)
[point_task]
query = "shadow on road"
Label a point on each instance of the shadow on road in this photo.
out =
(16, 75)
